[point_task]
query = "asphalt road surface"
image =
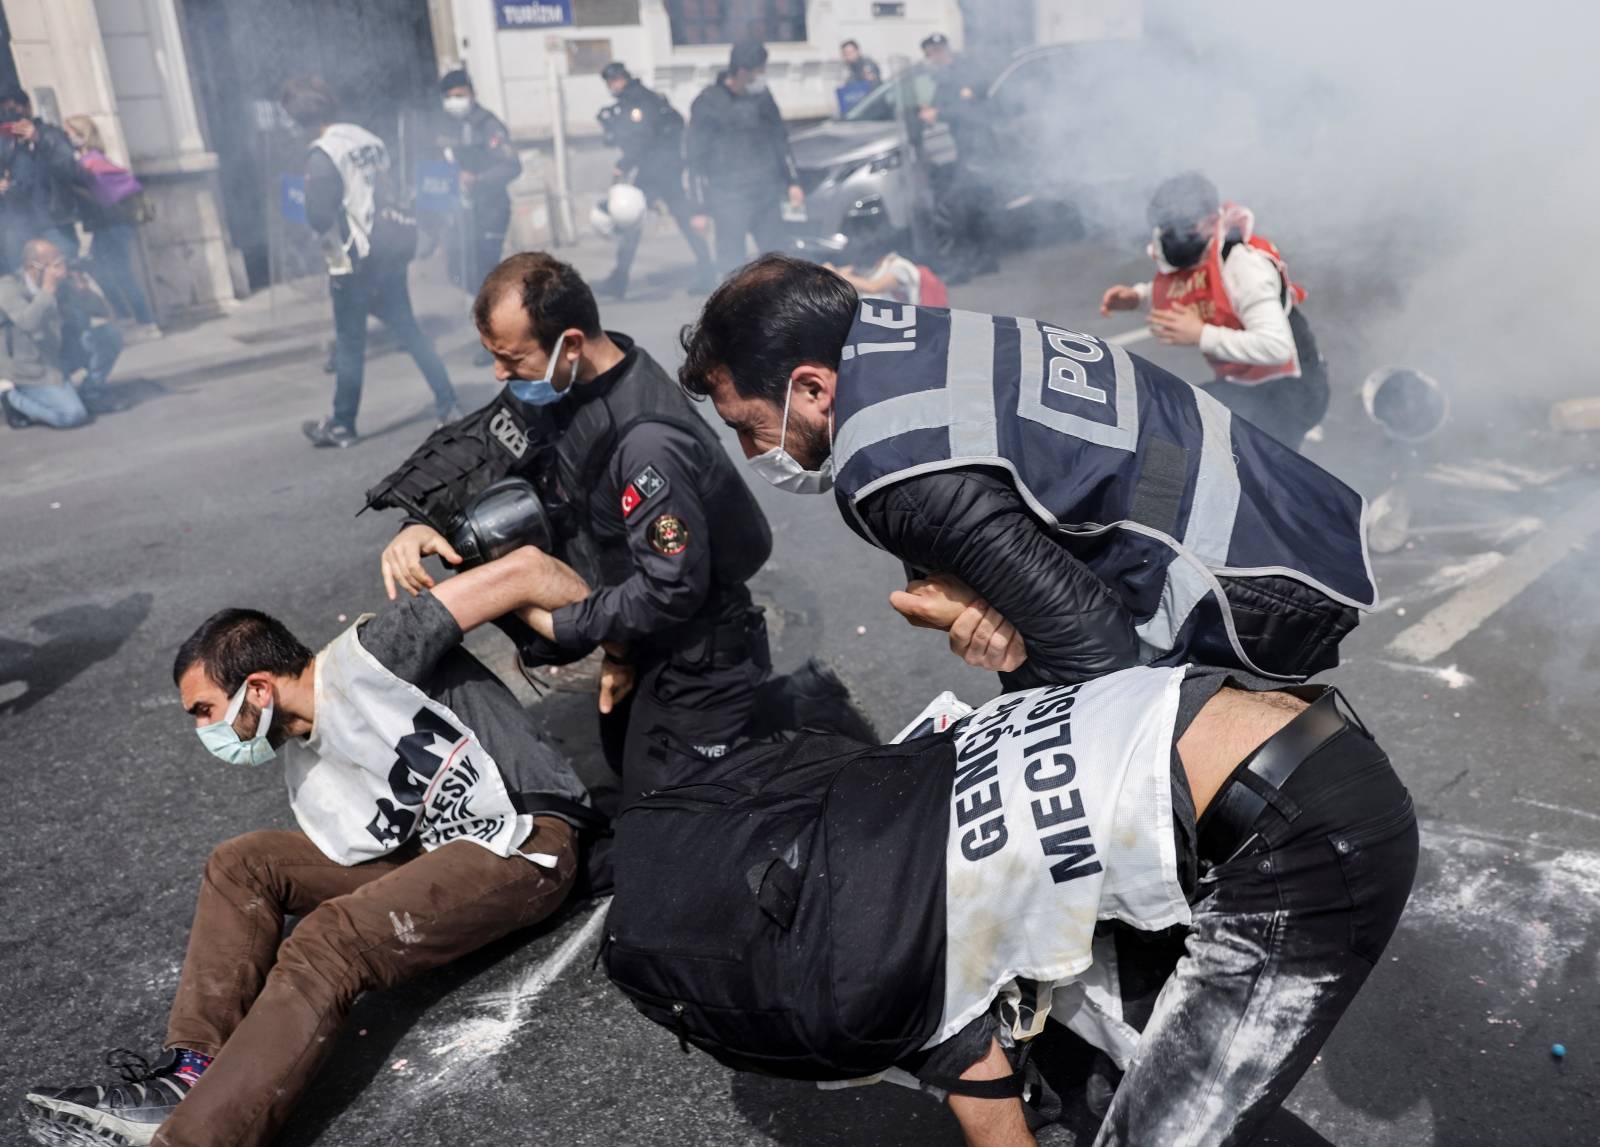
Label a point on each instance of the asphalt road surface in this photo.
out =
(1479, 675)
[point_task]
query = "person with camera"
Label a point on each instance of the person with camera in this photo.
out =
(433, 820)
(39, 182)
(643, 501)
(368, 244)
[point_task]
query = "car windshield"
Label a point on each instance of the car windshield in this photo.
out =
(882, 103)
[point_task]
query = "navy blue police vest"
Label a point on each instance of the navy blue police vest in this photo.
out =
(1148, 480)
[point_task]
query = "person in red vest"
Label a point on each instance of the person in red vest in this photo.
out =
(1225, 289)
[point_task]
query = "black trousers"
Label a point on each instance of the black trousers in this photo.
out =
(963, 220)
(1286, 408)
(665, 188)
(1285, 930)
(378, 288)
(687, 707)
(757, 212)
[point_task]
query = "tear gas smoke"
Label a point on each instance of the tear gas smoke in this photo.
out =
(1431, 167)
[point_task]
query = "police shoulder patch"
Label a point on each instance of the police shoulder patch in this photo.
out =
(646, 484)
(668, 536)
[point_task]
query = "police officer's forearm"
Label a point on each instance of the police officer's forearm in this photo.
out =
(640, 607)
(976, 528)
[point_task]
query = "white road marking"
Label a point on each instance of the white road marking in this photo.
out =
(1437, 633)
(1128, 338)
(1558, 808)
(1449, 676)
(1444, 579)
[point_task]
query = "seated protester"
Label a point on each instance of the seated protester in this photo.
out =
(1223, 288)
(1270, 823)
(46, 313)
(432, 818)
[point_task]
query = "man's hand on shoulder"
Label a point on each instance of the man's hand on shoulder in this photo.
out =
(978, 634)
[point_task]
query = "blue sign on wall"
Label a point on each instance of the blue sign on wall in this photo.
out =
(533, 13)
(292, 197)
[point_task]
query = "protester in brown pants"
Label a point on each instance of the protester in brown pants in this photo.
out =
(434, 821)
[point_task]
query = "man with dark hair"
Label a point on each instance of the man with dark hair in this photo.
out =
(646, 505)
(474, 139)
(39, 181)
(1090, 509)
(349, 203)
(649, 131)
(963, 198)
(433, 820)
(1223, 288)
(739, 159)
(863, 69)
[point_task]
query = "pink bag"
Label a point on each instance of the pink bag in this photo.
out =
(108, 183)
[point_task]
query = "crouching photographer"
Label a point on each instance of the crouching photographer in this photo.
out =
(824, 933)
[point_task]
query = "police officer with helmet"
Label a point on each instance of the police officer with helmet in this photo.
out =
(649, 132)
(642, 500)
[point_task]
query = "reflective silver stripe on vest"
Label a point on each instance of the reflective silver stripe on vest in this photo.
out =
(969, 383)
(965, 404)
(1209, 532)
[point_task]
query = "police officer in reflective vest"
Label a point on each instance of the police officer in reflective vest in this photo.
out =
(649, 131)
(1083, 510)
(1225, 289)
(648, 508)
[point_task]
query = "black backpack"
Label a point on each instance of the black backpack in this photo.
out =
(785, 914)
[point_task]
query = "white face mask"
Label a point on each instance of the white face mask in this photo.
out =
(784, 471)
(457, 106)
(755, 85)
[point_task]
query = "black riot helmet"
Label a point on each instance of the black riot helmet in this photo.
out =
(615, 70)
(505, 516)
(1176, 211)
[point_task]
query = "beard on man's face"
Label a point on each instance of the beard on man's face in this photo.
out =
(248, 723)
(807, 444)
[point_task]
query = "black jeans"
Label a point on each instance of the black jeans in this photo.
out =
(735, 213)
(111, 252)
(474, 240)
(1283, 936)
(1286, 408)
(667, 189)
(378, 288)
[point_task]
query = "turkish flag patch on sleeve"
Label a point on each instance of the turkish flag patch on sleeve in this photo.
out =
(646, 484)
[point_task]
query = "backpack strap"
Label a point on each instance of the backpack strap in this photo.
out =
(546, 803)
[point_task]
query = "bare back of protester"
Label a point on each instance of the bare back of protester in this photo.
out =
(1267, 821)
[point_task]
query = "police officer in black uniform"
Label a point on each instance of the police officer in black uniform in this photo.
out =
(962, 194)
(647, 506)
(649, 131)
(740, 164)
(473, 138)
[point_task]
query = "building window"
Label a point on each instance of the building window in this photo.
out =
(724, 21)
(605, 13)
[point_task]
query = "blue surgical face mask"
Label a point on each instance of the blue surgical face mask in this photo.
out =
(222, 740)
(542, 392)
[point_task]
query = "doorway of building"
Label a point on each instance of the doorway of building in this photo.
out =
(377, 55)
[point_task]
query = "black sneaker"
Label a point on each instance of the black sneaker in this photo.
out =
(125, 1113)
(329, 433)
(14, 417)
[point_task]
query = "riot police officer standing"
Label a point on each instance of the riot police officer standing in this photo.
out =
(739, 159)
(645, 504)
(477, 142)
(961, 192)
(649, 132)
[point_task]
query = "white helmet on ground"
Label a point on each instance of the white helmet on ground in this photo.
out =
(627, 205)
